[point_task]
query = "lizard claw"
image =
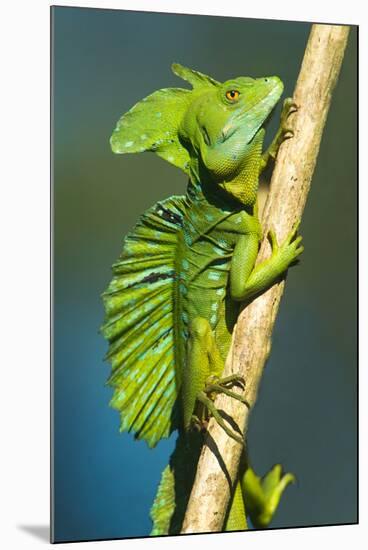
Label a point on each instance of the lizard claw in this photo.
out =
(288, 108)
(293, 232)
(273, 240)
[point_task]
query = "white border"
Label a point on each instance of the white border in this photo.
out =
(24, 218)
(289, 10)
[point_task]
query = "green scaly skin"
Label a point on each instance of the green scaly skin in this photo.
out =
(183, 273)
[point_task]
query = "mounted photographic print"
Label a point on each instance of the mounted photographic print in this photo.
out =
(204, 185)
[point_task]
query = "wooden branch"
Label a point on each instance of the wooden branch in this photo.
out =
(251, 343)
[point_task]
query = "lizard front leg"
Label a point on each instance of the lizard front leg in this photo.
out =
(284, 132)
(202, 376)
(248, 280)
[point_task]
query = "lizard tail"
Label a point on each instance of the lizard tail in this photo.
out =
(168, 509)
(170, 504)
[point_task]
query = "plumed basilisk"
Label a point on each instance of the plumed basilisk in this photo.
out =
(184, 270)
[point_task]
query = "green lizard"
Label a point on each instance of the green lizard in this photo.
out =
(183, 272)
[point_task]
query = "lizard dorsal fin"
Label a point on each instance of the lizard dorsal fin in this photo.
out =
(139, 324)
(152, 125)
(195, 78)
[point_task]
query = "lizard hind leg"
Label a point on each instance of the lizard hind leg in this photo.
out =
(202, 376)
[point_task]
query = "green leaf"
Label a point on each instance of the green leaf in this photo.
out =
(262, 496)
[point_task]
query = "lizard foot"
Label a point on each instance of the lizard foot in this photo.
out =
(288, 108)
(288, 252)
(231, 380)
(202, 397)
(217, 388)
(221, 385)
(285, 131)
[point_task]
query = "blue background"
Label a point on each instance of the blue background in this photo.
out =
(305, 418)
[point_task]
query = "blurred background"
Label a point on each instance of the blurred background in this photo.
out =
(305, 417)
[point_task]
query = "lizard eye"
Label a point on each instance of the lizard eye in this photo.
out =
(232, 95)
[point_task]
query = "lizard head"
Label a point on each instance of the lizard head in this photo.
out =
(207, 131)
(224, 126)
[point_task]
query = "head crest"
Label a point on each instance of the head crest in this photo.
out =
(195, 78)
(153, 123)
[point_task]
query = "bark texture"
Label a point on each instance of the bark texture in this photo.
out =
(251, 344)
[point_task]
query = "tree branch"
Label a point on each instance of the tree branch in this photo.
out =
(251, 341)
